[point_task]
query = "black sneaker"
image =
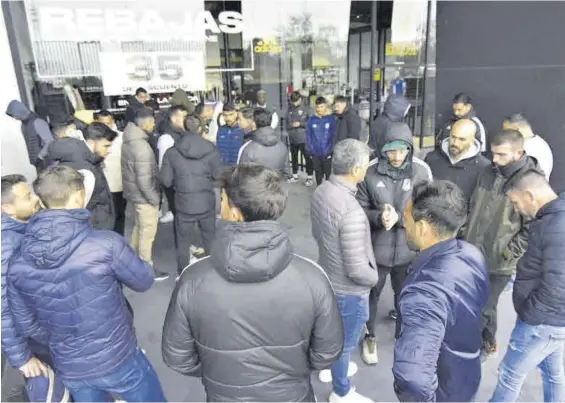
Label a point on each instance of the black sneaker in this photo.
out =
(160, 276)
(393, 315)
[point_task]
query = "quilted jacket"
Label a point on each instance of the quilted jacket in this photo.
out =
(68, 283)
(139, 168)
(14, 345)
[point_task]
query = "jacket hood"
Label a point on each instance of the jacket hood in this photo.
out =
(18, 110)
(180, 97)
(68, 149)
(251, 252)
(132, 132)
(9, 224)
(472, 152)
(53, 235)
(266, 136)
(553, 207)
(134, 102)
(396, 131)
(194, 147)
(396, 107)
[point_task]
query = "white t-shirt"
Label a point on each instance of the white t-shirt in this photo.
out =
(165, 142)
(539, 149)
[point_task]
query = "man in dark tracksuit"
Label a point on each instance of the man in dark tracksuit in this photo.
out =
(495, 227)
(395, 109)
(348, 125)
(191, 167)
(384, 194)
(296, 119)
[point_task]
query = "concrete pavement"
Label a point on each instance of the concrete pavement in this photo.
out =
(374, 382)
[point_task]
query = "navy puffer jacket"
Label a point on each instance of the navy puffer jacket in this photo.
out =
(67, 282)
(437, 357)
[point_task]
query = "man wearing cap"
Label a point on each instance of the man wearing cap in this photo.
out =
(384, 194)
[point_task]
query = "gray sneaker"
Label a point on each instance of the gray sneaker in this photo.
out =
(369, 351)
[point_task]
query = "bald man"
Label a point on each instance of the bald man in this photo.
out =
(459, 158)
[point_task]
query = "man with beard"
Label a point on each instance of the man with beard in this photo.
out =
(459, 159)
(463, 109)
(383, 195)
(262, 104)
(265, 147)
(436, 358)
(495, 227)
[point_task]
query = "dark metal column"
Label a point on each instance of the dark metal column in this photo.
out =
(426, 61)
(372, 87)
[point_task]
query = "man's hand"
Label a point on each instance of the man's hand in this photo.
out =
(33, 368)
(296, 124)
(389, 217)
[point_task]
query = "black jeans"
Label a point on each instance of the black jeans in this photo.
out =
(322, 168)
(398, 275)
(185, 230)
(170, 195)
(297, 150)
(120, 209)
(497, 285)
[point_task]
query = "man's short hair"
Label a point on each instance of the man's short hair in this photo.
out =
(340, 98)
(348, 154)
(257, 192)
(55, 185)
(60, 129)
(140, 91)
(99, 131)
(199, 108)
(192, 124)
(532, 179)
(102, 114)
(442, 204)
(517, 119)
(295, 96)
(8, 183)
(512, 137)
(228, 107)
(247, 113)
(321, 100)
(143, 114)
(176, 109)
(262, 118)
(262, 92)
(462, 98)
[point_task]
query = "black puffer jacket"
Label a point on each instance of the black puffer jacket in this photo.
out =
(300, 114)
(348, 125)
(265, 148)
(464, 173)
(379, 188)
(395, 109)
(133, 107)
(540, 280)
(254, 319)
(191, 167)
(76, 154)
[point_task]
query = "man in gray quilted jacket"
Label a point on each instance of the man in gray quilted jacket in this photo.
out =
(141, 187)
(342, 232)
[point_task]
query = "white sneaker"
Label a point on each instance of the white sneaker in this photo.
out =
(309, 182)
(352, 396)
(369, 351)
(167, 218)
(325, 375)
(292, 179)
(196, 251)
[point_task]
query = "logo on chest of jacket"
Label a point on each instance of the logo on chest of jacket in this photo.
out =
(314, 125)
(406, 185)
(327, 125)
(381, 185)
(300, 112)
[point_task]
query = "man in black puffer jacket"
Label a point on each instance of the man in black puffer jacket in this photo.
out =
(89, 154)
(191, 167)
(348, 122)
(384, 195)
(538, 339)
(265, 147)
(253, 320)
(395, 110)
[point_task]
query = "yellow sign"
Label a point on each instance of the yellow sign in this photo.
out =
(401, 49)
(268, 46)
(377, 75)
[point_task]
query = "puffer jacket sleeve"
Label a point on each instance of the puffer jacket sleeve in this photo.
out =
(24, 319)
(129, 268)
(166, 173)
(215, 165)
(178, 345)
(373, 211)
(353, 126)
(13, 344)
(145, 167)
(352, 233)
(424, 310)
(326, 342)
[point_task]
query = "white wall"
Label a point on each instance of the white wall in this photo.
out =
(14, 157)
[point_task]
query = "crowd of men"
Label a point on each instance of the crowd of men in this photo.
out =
(250, 317)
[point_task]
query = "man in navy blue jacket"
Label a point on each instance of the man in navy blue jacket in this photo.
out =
(66, 285)
(320, 133)
(19, 203)
(437, 357)
(538, 339)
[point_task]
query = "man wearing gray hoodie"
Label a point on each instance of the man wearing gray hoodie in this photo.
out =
(395, 109)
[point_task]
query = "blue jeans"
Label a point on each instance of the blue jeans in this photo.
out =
(530, 347)
(134, 381)
(354, 313)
